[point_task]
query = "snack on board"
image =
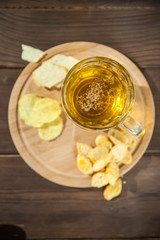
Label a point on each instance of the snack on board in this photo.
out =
(31, 54)
(101, 161)
(97, 152)
(111, 192)
(83, 149)
(119, 137)
(49, 74)
(41, 113)
(127, 159)
(131, 138)
(52, 130)
(99, 180)
(53, 71)
(45, 110)
(25, 105)
(32, 123)
(118, 152)
(103, 141)
(112, 173)
(84, 164)
(63, 60)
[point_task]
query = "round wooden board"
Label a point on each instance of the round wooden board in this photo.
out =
(56, 160)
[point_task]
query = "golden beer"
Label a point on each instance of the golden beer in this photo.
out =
(98, 93)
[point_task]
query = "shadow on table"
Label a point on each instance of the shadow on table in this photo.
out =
(11, 232)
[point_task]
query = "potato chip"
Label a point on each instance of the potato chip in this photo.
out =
(65, 61)
(101, 163)
(118, 152)
(103, 141)
(45, 110)
(31, 54)
(50, 131)
(84, 164)
(111, 192)
(117, 137)
(131, 138)
(25, 105)
(97, 152)
(32, 123)
(99, 180)
(49, 74)
(112, 173)
(83, 149)
(121, 137)
(127, 158)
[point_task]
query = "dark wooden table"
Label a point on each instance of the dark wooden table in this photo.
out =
(45, 210)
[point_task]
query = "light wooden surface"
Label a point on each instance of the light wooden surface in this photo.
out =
(56, 160)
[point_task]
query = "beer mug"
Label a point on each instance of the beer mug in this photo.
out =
(98, 94)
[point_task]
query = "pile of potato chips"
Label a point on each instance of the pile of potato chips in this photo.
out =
(103, 160)
(51, 72)
(43, 114)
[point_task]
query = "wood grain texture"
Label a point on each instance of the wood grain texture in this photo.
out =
(79, 5)
(47, 158)
(91, 238)
(152, 75)
(134, 33)
(9, 76)
(146, 238)
(7, 80)
(46, 210)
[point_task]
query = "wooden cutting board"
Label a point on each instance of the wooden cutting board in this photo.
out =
(56, 160)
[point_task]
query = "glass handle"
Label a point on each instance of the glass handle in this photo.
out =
(133, 126)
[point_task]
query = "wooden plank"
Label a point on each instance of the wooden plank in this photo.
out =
(83, 4)
(152, 76)
(46, 210)
(8, 78)
(131, 32)
(96, 238)
(79, 238)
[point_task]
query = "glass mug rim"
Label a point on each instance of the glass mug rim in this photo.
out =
(106, 61)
